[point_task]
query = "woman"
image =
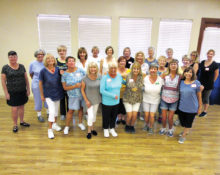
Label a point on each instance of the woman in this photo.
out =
(133, 96)
(194, 61)
(208, 75)
(151, 96)
(95, 56)
(34, 70)
(151, 58)
(127, 55)
(16, 88)
(186, 64)
(71, 81)
(109, 51)
(169, 53)
(91, 93)
(170, 96)
(51, 91)
(123, 71)
(110, 89)
(190, 101)
(82, 56)
(61, 64)
(140, 58)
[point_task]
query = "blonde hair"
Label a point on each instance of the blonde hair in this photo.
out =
(211, 50)
(142, 53)
(92, 64)
(197, 56)
(161, 58)
(112, 64)
(61, 47)
(94, 48)
(185, 57)
(47, 57)
(136, 65)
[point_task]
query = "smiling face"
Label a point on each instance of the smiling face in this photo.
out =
(93, 70)
(109, 52)
(136, 70)
(62, 53)
(153, 70)
(162, 62)
(40, 56)
(188, 75)
(13, 59)
(71, 63)
(169, 53)
(210, 55)
(82, 55)
(140, 59)
(186, 62)
(112, 71)
(122, 63)
(95, 52)
(173, 66)
(50, 61)
(127, 53)
(151, 53)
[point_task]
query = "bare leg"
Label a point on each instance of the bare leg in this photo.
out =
(128, 121)
(146, 117)
(133, 118)
(80, 114)
(14, 113)
(152, 114)
(69, 117)
(164, 118)
(185, 132)
(206, 106)
(170, 119)
(21, 113)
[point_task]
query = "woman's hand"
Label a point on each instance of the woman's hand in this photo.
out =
(78, 85)
(116, 97)
(7, 96)
(28, 92)
(199, 110)
(61, 72)
(42, 98)
(88, 104)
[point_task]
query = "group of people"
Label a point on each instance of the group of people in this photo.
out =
(125, 88)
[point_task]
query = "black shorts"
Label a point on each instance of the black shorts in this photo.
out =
(17, 98)
(186, 119)
(121, 108)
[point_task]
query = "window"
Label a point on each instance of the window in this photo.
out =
(211, 40)
(54, 30)
(174, 34)
(94, 31)
(134, 33)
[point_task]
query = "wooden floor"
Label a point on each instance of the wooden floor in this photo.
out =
(31, 152)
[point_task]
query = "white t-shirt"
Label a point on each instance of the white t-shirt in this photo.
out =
(152, 91)
(105, 65)
(96, 60)
(80, 65)
(145, 68)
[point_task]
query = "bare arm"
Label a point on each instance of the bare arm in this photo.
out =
(67, 88)
(83, 86)
(27, 83)
(41, 90)
(196, 68)
(216, 74)
(101, 66)
(31, 75)
(3, 77)
(199, 97)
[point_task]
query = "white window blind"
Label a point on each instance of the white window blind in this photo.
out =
(174, 34)
(54, 30)
(94, 31)
(211, 40)
(134, 33)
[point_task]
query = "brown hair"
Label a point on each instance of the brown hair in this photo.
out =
(81, 50)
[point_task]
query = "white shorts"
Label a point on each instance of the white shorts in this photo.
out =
(131, 108)
(150, 107)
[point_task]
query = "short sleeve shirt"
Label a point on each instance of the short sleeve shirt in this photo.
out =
(15, 79)
(188, 96)
(129, 62)
(71, 79)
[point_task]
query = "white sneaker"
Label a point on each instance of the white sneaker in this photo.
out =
(62, 117)
(141, 118)
(66, 130)
(50, 134)
(113, 133)
(56, 127)
(81, 126)
(106, 133)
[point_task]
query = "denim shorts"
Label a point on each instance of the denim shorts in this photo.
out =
(75, 103)
(168, 106)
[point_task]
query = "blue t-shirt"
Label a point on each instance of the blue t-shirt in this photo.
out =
(188, 97)
(109, 88)
(71, 79)
(51, 84)
(35, 68)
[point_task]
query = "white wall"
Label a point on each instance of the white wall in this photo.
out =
(18, 20)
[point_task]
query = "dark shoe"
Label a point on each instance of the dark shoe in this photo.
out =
(118, 121)
(94, 133)
(25, 124)
(89, 136)
(40, 119)
(132, 129)
(123, 122)
(127, 129)
(203, 114)
(15, 129)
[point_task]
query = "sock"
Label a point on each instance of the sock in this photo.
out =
(39, 113)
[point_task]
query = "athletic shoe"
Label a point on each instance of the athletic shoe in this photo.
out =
(94, 133)
(181, 140)
(89, 136)
(40, 119)
(141, 118)
(113, 133)
(106, 133)
(176, 123)
(50, 134)
(203, 114)
(66, 130)
(56, 127)
(62, 117)
(170, 133)
(162, 131)
(81, 126)
(150, 131)
(146, 128)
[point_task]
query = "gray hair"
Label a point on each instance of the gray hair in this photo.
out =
(153, 65)
(169, 49)
(151, 48)
(112, 64)
(38, 52)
